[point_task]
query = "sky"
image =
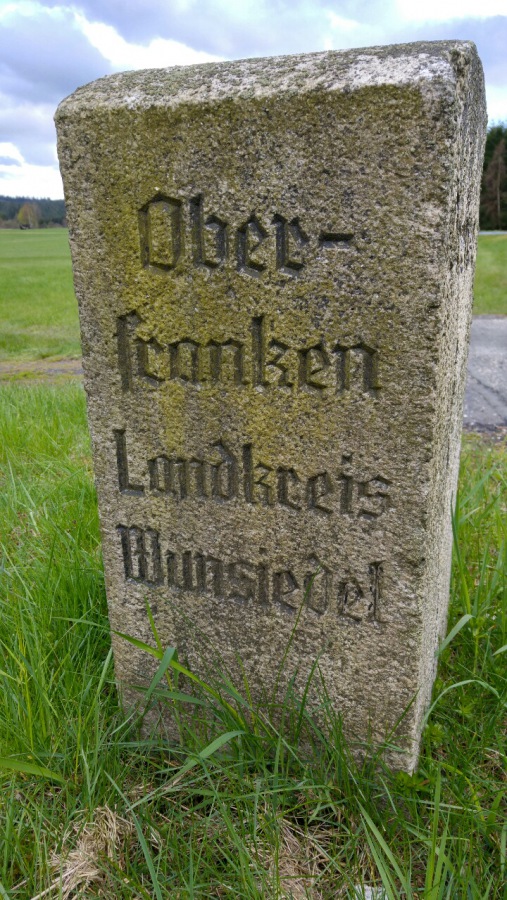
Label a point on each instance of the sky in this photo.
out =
(48, 49)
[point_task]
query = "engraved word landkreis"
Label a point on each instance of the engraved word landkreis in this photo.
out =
(221, 475)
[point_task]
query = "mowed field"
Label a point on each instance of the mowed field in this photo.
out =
(38, 309)
(490, 291)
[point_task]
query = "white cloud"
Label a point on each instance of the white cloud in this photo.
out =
(29, 128)
(226, 28)
(446, 10)
(50, 47)
(23, 180)
(125, 55)
(497, 104)
(340, 23)
(44, 55)
(20, 7)
(10, 151)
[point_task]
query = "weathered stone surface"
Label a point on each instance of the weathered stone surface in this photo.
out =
(274, 262)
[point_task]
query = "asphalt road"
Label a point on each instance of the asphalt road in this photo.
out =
(486, 390)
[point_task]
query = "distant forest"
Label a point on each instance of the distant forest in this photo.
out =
(27, 212)
(494, 181)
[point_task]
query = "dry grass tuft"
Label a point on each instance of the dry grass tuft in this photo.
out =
(305, 866)
(295, 867)
(105, 838)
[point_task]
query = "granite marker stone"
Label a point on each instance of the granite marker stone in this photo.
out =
(274, 262)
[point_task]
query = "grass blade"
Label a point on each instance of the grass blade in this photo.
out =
(452, 634)
(26, 768)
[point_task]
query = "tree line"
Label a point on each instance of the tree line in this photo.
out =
(493, 209)
(27, 212)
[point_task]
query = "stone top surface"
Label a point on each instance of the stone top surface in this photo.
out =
(433, 65)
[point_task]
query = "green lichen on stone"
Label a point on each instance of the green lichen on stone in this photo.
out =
(274, 261)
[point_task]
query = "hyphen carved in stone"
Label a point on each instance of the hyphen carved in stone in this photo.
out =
(275, 285)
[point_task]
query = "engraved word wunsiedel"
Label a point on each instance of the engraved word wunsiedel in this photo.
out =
(148, 561)
(253, 246)
(221, 476)
(260, 360)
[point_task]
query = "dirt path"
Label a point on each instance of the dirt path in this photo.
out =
(47, 371)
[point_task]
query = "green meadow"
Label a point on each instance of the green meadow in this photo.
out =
(95, 805)
(38, 309)
(490, 289)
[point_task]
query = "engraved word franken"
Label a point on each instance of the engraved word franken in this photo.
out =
(166, 224)
(148, 561)
(260, 360)
(221, 475)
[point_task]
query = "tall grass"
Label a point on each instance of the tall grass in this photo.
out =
(239, 808)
